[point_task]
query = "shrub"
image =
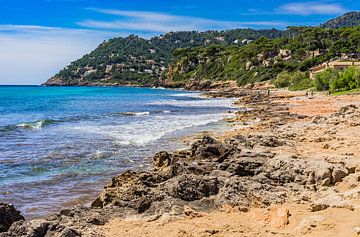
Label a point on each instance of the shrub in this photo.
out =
(283, 79)
(322, 79)
(295, 80)
(300, 81)
(348, 79)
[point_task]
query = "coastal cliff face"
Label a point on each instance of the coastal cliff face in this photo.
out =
(285, 157)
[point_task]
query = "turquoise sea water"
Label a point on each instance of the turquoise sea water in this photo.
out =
(60, 145)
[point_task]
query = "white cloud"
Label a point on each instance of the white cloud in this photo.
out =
(311, 8)
(160, 22)
(32, 54)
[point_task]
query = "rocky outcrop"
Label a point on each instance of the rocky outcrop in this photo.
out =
(8, 215)
(214, 173)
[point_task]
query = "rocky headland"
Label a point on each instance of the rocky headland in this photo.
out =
(291, 169)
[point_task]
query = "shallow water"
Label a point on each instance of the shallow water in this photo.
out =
(60, 145)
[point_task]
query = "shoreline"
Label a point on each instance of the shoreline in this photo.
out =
(39, 210)
(271, 169)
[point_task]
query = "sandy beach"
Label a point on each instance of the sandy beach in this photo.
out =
(289, 167)
(312, 138)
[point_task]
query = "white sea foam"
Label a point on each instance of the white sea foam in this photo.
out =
(226, 103)
(136, 113)
(189, 95)
(141, 132)
(35, 125)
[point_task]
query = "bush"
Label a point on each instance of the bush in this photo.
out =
(300, 81)
(283, 79)
(338, 81)
(295, 80)
(322, 79)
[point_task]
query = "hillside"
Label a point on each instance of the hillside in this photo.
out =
(264, 59)
(179, 59)
(349, 19)
(137, 61)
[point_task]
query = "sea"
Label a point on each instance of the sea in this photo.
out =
(59, 146)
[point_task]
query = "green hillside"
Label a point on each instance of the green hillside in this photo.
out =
(133, 60)
(245, 55)
(264, 58)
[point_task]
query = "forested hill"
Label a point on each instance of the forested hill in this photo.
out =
(245, 55)
(266, 59)
(349, 19)
(137, 61)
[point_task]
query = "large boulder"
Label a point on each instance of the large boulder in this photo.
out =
(207, 148)
(8, 215)
(194, 187)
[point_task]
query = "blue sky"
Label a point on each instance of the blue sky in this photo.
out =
(39, 37)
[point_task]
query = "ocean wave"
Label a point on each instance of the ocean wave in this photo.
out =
(223, 103)
(188, 95)
(37, 124)
(141, 132)
(135, 113)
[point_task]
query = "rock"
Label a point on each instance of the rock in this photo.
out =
(309, 223)
(188, 211)
(161, 160)
(207, 148)
(348, 109)
(192, 187)
(245, 166)
(8, 215)
(338, 174)
(357, 230)
(280, 217)
(332, 200)
(34, 228)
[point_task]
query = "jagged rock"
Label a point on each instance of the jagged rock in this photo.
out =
(130, 189)
(161, 160)
(34, 228)
(8, 215)
(191, 187)
(207, 148)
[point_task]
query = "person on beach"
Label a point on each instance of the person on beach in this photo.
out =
(307, 94)
(268, 92)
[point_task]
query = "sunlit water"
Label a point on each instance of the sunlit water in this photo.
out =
(59, 146)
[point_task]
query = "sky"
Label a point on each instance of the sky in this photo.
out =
(39, 37)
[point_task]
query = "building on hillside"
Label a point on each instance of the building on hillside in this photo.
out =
(337, 64)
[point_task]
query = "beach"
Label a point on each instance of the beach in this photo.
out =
(320, 129)
(289, 167)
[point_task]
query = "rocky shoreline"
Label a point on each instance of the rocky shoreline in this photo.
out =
(285, 157)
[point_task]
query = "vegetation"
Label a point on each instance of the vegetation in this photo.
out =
(349, 19)
(295, 80)
(338, 81)
(243, 55)
(136, 60)
(264, 59)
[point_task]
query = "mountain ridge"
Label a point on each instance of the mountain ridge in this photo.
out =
(349, 19)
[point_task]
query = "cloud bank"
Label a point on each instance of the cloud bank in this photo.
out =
(311, 8)
(155, 22)
(31, 54)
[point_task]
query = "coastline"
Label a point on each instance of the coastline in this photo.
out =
(263, 171)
